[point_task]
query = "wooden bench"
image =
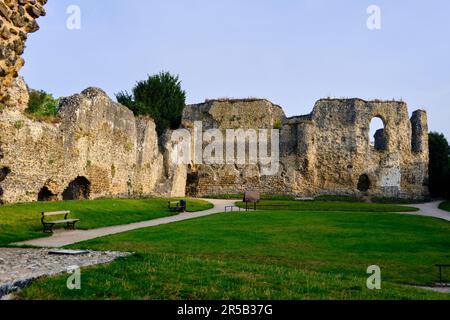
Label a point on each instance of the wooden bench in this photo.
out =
(48, 225)
(177, 206)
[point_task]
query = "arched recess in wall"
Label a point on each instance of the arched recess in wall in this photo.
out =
(46, 195)
(78, 189)
(377, 134)
(364, 183)
(4, 173)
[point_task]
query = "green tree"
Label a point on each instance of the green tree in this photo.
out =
(160, 96)
(439, 165)
(42, 104)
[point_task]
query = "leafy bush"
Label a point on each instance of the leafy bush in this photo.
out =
(439, 181)
(42, 104)
(160, 96)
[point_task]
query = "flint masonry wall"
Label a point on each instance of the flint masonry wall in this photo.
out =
(96, 139)
(232, 178)
(325, 152)
(17, 19)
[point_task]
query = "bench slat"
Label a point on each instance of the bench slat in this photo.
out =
(61, 221)
(55, 213)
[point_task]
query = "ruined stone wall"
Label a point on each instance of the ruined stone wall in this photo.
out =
(344, 154)
(325, 152)
(17, 19)
(119, 155)
(96, 138)
(211, 179)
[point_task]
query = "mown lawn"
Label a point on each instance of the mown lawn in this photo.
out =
(283, 254)
(445, 206)
(22, 221)
(328, 206)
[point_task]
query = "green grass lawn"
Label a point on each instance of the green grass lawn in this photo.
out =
(328, 206)
(22, 221)
(287, 254)
(445, 206)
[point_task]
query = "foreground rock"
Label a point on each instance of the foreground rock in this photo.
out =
(19, 267)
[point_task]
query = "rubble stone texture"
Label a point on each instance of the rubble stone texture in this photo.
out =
(325, 152)
(19, 267)
(17, 19)
(97, 140)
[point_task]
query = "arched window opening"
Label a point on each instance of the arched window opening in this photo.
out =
(377, 134)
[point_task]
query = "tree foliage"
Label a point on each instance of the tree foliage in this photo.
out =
(42, 104)
(439, 165)
(160, 96)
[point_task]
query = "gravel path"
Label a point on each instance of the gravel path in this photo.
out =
(63, 238)
(430, 209)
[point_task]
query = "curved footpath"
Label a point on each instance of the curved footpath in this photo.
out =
(63, 238)
(429, 209)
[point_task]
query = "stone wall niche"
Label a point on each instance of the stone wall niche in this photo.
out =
(78, 189)
(46, 195)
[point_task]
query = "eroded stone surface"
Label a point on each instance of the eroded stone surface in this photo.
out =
(100, 141)
(96, 140)
(20, 266)
(325, 152)
(17, 19)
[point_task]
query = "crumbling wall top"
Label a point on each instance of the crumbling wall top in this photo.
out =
(17, 19)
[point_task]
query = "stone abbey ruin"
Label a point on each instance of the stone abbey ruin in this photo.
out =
(99, 148)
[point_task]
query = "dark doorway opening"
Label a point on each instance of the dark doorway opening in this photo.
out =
(4, 173)
(192, 184)
(78, 189)
(364, 183)
(46, 195)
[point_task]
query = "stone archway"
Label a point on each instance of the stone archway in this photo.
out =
(364, 183)
(46, 195)
(378, 130)
(78, 189)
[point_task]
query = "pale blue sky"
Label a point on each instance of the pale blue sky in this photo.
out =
(292, 52)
